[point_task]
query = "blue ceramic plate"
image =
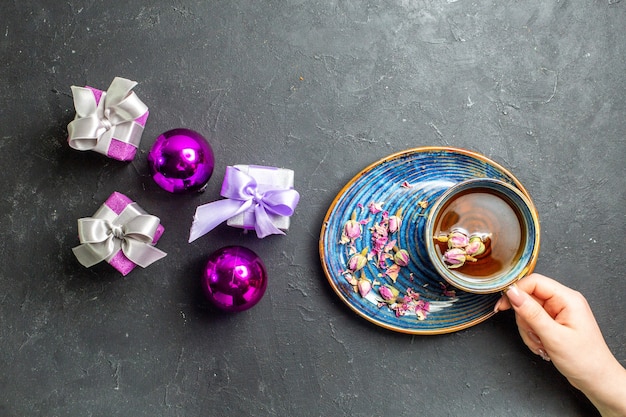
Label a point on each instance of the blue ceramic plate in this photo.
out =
(407, 183)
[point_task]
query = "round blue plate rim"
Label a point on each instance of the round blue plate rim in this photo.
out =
(434, 169)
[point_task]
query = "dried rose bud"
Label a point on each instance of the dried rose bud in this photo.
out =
(395, 222)
(389, 294)
(352, 228)
(365, 286)
(454, 257)
(475, 247)
(358, 260)
(401, 257)
(457, 239)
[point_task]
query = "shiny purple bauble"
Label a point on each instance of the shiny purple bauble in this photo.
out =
(181, 160)
(234, 278)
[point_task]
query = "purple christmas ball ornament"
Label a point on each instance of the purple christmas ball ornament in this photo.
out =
(234, 278)
(181, 160)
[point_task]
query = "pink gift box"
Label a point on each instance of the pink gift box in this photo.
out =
(119, 150)
(116, 203)
(109, 122)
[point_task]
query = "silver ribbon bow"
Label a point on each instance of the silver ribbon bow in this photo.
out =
(105, 234)
(113, 116)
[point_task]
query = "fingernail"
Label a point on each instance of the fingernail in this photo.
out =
(496, 308)
(534, 337)
(515, 297)
(543, 355)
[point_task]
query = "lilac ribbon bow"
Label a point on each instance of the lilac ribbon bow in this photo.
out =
(242, 193)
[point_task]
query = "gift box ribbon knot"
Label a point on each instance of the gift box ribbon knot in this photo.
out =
(242, 193)
(132, 232)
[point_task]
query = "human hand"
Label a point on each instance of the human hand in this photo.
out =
(557, 323)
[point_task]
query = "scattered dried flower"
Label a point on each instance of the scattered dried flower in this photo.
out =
(412, 294)
(385, 256)
(365, 286)
(401, 256)
(351, 278)
(446, 291)
(358, 260)
(351, 230)
(375, 207)
(409, 304)
(394, 222)
(392, 272)
(388, 293)
(380, 239)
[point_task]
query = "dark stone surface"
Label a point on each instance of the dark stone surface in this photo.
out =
(325, 88)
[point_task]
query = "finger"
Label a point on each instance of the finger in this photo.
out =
(553, 296)
(533, 313)
(531, 340)
(502, 304)
(525, 330)
(544, 288)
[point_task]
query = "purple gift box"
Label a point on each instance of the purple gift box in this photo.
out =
(119, 212)
(108, 122)
(256, 197)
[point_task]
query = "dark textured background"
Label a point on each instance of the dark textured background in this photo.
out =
(324, 88)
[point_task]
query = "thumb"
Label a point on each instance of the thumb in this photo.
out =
(527, 308)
